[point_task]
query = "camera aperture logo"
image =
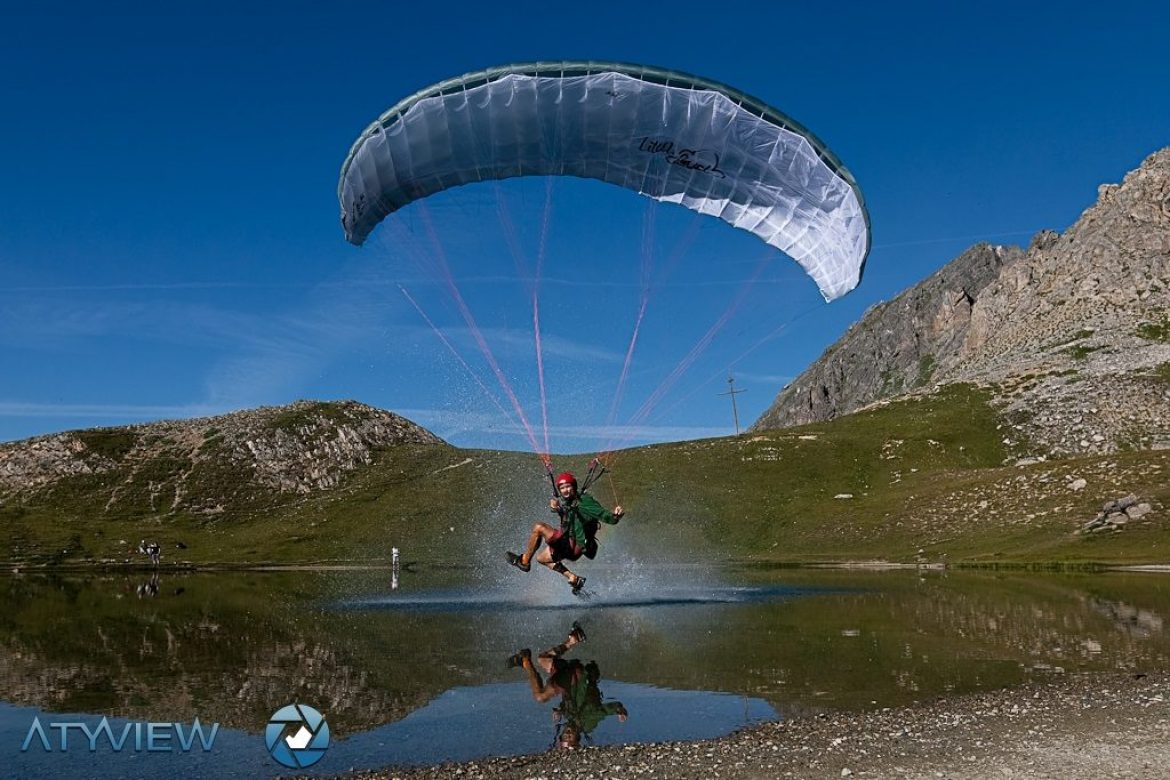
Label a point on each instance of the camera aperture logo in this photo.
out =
(297, 736)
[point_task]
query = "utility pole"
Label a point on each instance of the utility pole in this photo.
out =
(731, 391)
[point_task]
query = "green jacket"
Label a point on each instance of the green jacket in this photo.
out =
(583, 513)
(582, 703)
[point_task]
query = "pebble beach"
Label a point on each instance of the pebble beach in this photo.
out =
(1090, 726)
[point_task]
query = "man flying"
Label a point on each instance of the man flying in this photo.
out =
(580, 515)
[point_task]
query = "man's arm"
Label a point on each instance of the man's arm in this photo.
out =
(595, 511)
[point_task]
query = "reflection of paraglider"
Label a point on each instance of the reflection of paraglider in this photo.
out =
(664, 134)
(581, 709)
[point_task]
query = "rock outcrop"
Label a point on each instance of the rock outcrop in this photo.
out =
(197, 464)
(1115, 515)
(896, 346)
(1072, 335)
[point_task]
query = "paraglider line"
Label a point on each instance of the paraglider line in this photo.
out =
(684, 364)
(513, 242)
(648, 287)
(491, 396)
(540, 255)
(477, 334)
(648, 222)
(720, 373)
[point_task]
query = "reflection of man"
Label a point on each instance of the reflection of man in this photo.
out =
(581, 708)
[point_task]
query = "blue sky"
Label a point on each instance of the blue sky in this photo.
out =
(169, 237)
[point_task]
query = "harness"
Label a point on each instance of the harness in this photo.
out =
(564, 508)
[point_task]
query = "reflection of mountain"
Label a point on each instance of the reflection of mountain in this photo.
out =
(229, 648)
(912, 638)
(893, 638)
(1139, 623)
(232, 647)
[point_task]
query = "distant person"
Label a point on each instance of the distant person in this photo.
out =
(580, 516)
(581, 709)
(151, 549)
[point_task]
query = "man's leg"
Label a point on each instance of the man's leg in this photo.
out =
(544, 558)
(540, 532)
(541, 691)
(576, 637)
(536, 684)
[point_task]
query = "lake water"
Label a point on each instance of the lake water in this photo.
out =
(435, 668)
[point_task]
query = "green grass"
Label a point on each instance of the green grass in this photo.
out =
(1079, 351)
(1155, 331)
(306, 414)
(926, 367)
(112, 443)
(917, 470)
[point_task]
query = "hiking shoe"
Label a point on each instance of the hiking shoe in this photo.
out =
(518, 562)
(578, 633)
(577, 585)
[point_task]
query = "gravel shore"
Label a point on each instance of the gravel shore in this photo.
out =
(1081, 726)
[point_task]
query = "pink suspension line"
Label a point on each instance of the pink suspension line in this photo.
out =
(540, 255)
(491, 396)
(640, 415)
(647, 288)
(514, 246)
(644, 278)
(735, 361)
(477, 334)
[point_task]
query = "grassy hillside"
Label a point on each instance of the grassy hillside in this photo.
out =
(920, 479)
(924, 473)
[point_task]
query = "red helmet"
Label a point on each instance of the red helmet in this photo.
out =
(566, 477)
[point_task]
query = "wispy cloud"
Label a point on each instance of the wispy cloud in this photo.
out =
(153, 287)
(453, 425)
(263, 357)
(512, 343)
(282, 352)
(45, 321)
(979, 237)
(769, 379)
(111, 411)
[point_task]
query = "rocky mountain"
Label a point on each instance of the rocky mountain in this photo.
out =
(1071, 335)
(202, 465)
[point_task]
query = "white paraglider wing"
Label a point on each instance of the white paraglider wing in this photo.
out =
(668, 136)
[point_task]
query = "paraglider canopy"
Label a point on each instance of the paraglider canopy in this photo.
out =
(667, 135)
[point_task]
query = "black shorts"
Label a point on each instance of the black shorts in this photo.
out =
(564, 547)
